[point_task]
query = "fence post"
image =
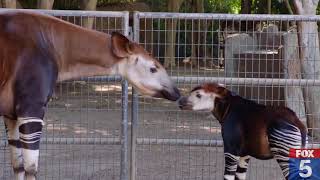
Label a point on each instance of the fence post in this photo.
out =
(124, 132)
(135, 109)
(124, 125)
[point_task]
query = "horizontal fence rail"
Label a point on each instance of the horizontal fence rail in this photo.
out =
(78, 13)
(249, 81)
(236, 17)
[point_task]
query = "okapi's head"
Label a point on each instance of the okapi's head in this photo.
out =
(206, 97)
(142, 70)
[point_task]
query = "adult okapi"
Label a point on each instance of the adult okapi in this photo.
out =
(37, 50)
(249, 129)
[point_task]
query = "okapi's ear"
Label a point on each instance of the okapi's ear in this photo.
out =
(120, 45)
(223, 92)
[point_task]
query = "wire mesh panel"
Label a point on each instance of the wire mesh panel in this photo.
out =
(82, 133)
(257, 57)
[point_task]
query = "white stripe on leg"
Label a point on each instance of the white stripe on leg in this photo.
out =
(30, 130)
(242, 167)
(241, 176)
(229, 177)
(31, 158)
(15, 148)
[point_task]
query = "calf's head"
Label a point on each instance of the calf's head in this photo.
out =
(142, 70)
(204, 97)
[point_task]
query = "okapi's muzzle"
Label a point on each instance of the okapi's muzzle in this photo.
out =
(172, 94)
(184, 104)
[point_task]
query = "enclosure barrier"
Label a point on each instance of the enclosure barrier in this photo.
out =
(266, 76)
(167, 143)
(105, 22)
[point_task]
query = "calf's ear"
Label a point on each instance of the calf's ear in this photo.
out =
(120, 45)
(223, 92)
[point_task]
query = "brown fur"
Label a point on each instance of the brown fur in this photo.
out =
(76, 51)
(256, 133)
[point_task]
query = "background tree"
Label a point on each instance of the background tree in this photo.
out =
(10, 3)
(45, 4)
(199, 34)
(88, 5)
(171, 26)
(246, 6)
(309, 58)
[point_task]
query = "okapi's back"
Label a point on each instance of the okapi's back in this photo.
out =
(19, 32)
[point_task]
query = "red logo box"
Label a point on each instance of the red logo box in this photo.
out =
(304, 153)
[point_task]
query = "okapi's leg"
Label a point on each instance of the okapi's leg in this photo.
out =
(282, 137)
(15, 148)
(231, 162)
(242, 167)
(34, 84)
(30, 130)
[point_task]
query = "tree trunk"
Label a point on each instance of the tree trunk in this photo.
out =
(309, 58)
(171, 26)
(197, 37)
(88, 5)
(269, 6)
(287, 3)
(292, 70)
(246, 6)
(45, 4)
(246, 9)
(11, 4)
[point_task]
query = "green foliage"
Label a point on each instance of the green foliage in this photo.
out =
(222, 6)
(156, 5)
(67, 4)
(28, 4)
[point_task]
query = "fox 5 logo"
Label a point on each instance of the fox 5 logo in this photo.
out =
(304, 164)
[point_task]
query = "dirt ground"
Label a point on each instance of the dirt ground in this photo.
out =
(82, 110)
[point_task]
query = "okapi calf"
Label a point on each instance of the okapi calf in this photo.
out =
(248, 128)
(38, 50)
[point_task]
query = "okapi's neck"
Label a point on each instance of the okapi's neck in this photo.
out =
(221, 109)
(82, 52)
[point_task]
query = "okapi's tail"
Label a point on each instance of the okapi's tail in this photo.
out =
(304, 137)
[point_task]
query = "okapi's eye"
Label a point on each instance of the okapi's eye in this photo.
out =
(198, 96)
(153, 70)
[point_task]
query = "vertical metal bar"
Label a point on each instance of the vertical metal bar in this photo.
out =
(124, 124)
(135, 108)
(124, 133)
(134, 128)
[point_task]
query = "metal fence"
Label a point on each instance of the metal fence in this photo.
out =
(86, 134)
(257, 56)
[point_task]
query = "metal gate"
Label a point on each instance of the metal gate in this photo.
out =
(85, 135)
(254, 55)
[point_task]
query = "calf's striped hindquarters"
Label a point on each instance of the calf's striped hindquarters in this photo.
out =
(248, 129)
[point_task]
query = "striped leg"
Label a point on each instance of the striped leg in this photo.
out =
(282, 138)
(242, 167)
(231, 162)
(30, 130)
(15, 148)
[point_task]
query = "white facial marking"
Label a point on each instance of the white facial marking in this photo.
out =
(201, 100)
(144, 74)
